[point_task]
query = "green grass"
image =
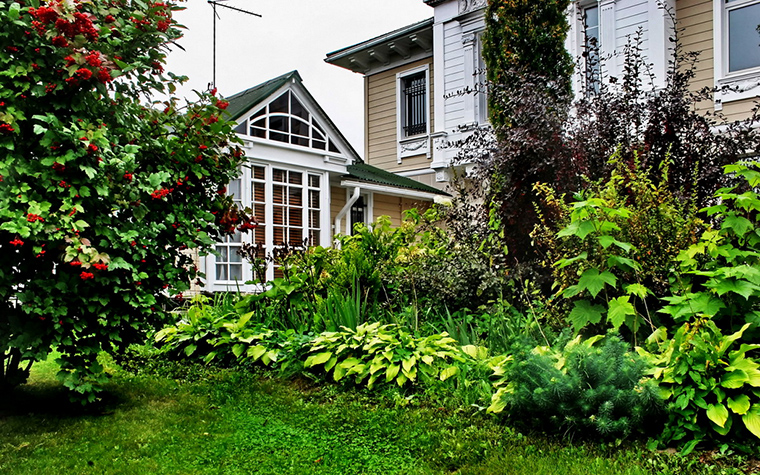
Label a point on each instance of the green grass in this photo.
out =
(228, 422)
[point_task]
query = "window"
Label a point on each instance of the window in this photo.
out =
(288, 207)
(286, 120)
(591, 48)
(742, 41)
(414, 104)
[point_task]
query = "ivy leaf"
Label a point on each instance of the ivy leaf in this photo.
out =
(584, 313)
(718, 414)
(619, 308)
(594, 281)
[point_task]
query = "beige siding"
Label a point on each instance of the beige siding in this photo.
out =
(381, 129)
(695, 20)
(337, 202)
(384, 205)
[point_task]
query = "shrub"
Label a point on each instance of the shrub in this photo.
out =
(103, 200)
(584, 388)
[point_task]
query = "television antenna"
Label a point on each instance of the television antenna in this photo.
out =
(214, 4)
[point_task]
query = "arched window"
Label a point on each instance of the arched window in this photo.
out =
(286, 120)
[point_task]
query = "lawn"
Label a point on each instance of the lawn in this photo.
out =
(232, 422)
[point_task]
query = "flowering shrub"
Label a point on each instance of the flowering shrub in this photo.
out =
(103, 199)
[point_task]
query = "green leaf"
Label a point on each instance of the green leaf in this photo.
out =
(752, 420)
(717, 413)
(449, 372)
(190, 349)
(738, 224)
(238, 350)
(638, 290)
(739, 405)
(391, 372)
(585, 313)
(256, 352)
(619, 308)
(734, 379)
(594, 281)
(319, 358)
(741, 287)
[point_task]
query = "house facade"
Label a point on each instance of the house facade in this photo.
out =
(440, 59)
(302, 180)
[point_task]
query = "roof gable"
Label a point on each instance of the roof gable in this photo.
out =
(282, 110)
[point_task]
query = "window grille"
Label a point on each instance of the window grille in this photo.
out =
(415, 115)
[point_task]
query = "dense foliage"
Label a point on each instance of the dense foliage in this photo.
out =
(524, 37)
(103, 200)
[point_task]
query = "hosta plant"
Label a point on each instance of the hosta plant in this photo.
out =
(382, 353)
(711, 385)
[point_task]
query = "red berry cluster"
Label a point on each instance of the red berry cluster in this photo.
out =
(31, 217)
(86, 275)
(17, 242)
(6, 128)
(100, 266)
(158, 194)
(59, 167)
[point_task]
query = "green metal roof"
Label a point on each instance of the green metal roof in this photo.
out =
(242, 102)
(365, 172)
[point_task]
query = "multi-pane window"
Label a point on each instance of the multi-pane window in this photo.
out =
(414, 100)
(229, 263)
(591, 47)
(742, 20)
(287, 206)
(286, 120)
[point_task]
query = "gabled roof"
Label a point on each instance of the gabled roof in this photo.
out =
(365, 172)
(244, 101)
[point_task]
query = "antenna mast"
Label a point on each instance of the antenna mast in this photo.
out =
(214, 4)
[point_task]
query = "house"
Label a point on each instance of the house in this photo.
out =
(423, 82)
(302, 180)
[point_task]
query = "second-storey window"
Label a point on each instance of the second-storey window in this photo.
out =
(591, 48)
(742, 18)
(414, 101)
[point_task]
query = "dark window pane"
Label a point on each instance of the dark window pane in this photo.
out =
(280, 104)
(278, 123)
(261, 123)
(258, 192)
(316, 126)
(296, 178)
(236, 272)
(260, 133)
(258, 173)
(302, 141)
(333, 148)
(279, 175)
(241, 128)
(297, 109)
(278, 194)
(296, 197)
(415, 115)
(299, 127)
(259, 214)
(314, 219)
(278, 136)
(295, 237)
(314, 181)
(279, 236)
(318, 144)
(295, 217)
(314, 199)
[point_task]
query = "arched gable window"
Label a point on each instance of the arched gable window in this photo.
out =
(286, 120)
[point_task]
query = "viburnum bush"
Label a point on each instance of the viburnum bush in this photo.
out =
(105, 193)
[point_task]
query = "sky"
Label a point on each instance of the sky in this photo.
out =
(291, 34)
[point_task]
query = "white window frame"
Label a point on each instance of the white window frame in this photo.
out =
(746, 80)
(417, 144)
(247, 200)
(576, 43)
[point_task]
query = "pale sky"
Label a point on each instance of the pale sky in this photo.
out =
(292, 34)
